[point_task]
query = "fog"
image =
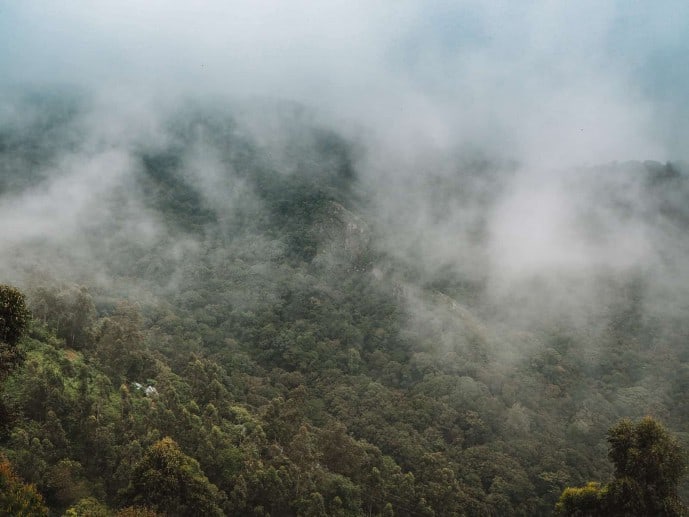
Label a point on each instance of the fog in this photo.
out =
(485, 135)
(546, 82)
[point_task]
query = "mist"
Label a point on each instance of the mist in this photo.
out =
(486, 136)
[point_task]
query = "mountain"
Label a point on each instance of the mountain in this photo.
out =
(240, 297)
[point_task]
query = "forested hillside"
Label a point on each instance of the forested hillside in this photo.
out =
(229, 316)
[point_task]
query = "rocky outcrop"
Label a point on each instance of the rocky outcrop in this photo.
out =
(342, 233)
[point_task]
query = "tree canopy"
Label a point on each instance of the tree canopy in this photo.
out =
(171, 482)
(254, 306)
(17, 497)
(14, 318)
(648, 465)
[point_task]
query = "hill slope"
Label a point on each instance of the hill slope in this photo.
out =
(248, 294)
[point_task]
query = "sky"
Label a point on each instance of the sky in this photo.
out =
(543, 81)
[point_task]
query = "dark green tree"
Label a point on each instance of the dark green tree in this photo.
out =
(67, 309)
(16, 497)
(169, 481)
(136, 511)
(88, 506)
(648, 466)
(14, 318)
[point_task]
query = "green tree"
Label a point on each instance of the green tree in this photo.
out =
(67, 309)
(136, 511)
(171, 482)
(120, 345)
(17, 498)
(648, 466)
(88, 507)
(14, 318)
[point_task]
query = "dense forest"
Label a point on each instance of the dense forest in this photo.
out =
(229, 317)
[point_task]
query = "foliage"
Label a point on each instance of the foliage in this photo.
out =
(648, 466)
(172, 482)
(579, 501)
(296, 368)
(88, 507)
(68, 309)
(17, 498)
(14, 318)
(136, 511)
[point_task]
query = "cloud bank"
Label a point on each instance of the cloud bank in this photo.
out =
(547, 82)
(481, 122)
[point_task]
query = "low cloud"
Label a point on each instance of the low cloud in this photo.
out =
(479, 127)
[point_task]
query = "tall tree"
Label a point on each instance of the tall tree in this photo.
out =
(14, 318)
(648, 466)
(17, 498)
(171, 482)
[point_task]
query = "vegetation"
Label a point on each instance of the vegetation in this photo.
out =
(14, 317)
(648, 466)
(171, 482)
(243, 344)
(16, 497)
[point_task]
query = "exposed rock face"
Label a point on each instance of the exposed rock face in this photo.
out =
(342, 232)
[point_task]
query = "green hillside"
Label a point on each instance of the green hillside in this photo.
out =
(230, 323)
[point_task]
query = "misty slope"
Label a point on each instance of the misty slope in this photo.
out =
(319, 340)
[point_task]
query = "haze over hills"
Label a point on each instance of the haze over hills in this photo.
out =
(341, 261)
(426, 329)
